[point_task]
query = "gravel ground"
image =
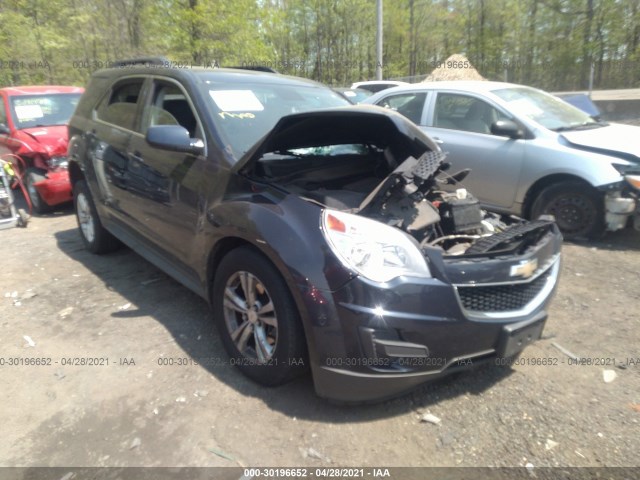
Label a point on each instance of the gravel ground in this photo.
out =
(59, 302)
(135, 412)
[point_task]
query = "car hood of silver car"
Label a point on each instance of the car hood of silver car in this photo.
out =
(613, 139)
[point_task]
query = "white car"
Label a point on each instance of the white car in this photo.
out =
(378, 85)
(529, 152)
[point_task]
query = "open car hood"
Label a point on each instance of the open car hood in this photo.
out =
(397, 183)
(361, 124)
(615, 139)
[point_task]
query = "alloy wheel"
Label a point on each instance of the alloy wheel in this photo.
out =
(85, 218)
(250, 317)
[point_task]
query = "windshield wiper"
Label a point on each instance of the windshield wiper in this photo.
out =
(581, 126)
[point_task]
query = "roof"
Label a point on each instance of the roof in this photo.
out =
(229, 75)
(377, 82)
(469, 86)
(485, 88)
(40, 90)
(206, 75)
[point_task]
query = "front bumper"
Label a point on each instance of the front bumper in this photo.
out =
(56, 188)
(410, 331)
(345, 385)
(621, 203)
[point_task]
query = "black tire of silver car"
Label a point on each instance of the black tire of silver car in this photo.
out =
(30, 177)
(94, 236)
(576, 206)
(258, 320)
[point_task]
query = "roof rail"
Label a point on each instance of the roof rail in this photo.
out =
(141, 61)
(256, 68)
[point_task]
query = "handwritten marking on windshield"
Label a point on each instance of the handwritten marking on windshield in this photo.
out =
(223, 115)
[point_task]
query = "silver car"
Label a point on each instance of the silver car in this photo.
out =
(529, 152)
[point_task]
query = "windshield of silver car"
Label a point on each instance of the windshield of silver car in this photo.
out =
(545, 109)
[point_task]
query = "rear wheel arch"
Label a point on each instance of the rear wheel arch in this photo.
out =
(75, 173)
(542, 183)
(95, 237)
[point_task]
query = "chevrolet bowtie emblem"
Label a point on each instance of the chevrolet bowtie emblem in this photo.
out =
(524, 269)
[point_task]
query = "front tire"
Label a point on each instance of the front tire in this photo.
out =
(94, 236)
(258, 320)
(576, 206)
(32, 176)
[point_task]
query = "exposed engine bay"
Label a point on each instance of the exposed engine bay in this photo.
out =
(418, 196)
(372, 162)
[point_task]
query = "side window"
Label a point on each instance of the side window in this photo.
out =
(169, 106)
(119, 108)
(462, 112)
(410, 105)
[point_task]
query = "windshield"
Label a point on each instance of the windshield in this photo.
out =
(545, 109)
(245, 113)
(43, 110)
(356, 95)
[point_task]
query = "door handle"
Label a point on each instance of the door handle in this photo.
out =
(438, 140)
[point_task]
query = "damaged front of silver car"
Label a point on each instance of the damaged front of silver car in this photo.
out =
(436, 283)
(613, 144)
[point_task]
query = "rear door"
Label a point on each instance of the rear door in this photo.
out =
(409, 104)
(461, 124)
(117, 119)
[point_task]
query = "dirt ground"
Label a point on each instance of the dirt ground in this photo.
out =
(59, 302)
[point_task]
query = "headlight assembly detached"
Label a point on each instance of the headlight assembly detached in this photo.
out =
(630, 173)
(633, 180)
(374, 250)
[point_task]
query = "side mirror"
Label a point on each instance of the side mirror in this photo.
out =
(4, 130)
(506, 128)
(174, 138)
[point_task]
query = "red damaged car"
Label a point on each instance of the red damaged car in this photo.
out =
(33, 127)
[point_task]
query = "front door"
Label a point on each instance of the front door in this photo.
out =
(169, 187)
(461, 124)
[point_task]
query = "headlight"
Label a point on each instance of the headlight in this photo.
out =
(58, 162)
(630, 172)
(374, 250)
(633, 180)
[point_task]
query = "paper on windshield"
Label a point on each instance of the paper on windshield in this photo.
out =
(236, 100)
(28, 112)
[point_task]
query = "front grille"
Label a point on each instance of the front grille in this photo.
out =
(502, 298)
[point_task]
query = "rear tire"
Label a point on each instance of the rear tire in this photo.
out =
(30, 177)
(258, 320)
(576, 206)
(94, 236)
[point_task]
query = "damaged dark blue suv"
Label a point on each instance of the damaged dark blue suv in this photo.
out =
(323, 235)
